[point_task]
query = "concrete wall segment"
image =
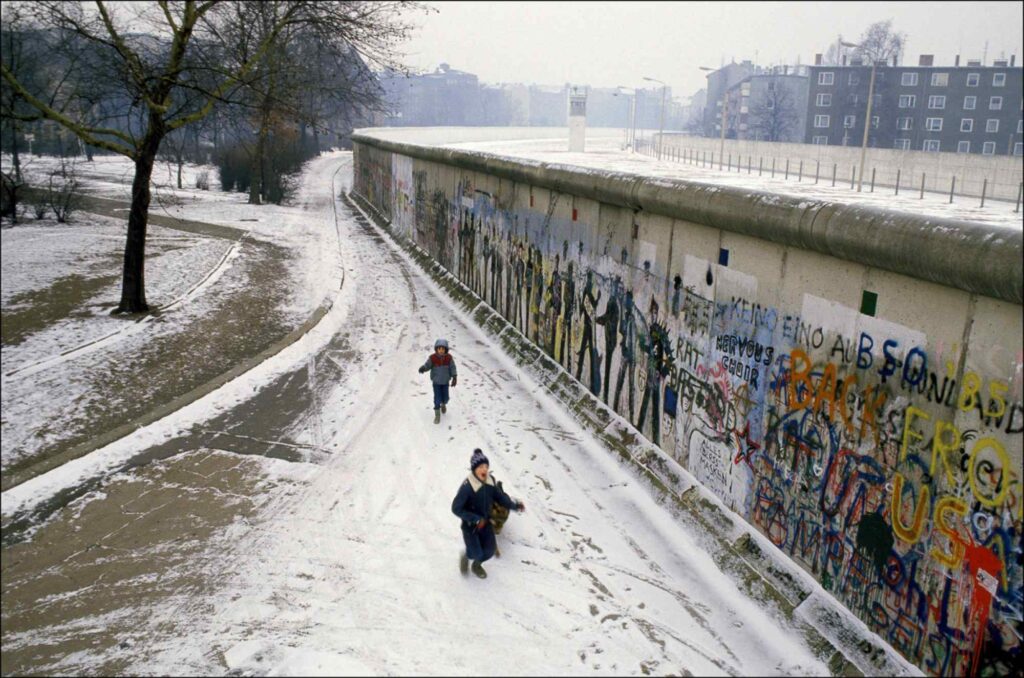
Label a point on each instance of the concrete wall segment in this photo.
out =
(976, 258)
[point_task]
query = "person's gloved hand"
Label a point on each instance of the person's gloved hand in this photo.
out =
(455, 380)
(520, 506)
(422, 370)
(480, 523)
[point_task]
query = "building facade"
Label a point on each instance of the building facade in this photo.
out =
(954, 109)
(768, 105)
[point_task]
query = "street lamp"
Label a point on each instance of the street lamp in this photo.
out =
(867, 117)
(725, 108)
(661, 129)
(632, 117)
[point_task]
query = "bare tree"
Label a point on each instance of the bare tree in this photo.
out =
(774, 114)
(879, 43)
(170, 65)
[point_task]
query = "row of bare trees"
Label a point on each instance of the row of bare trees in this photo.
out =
(131, 78)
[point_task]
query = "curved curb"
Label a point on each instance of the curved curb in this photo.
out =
(15, 478)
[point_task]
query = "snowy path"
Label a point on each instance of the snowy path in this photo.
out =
(354, 569)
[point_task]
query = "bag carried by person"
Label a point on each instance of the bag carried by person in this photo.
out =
(499, 514)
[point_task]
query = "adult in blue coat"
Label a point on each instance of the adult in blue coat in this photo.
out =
(472, 505)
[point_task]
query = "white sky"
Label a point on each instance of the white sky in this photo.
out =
(618, 43)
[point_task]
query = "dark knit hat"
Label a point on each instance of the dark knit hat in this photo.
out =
(478, 458)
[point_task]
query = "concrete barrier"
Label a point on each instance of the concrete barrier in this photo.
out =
(848, 380)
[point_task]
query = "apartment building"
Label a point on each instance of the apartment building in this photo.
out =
(956, 109)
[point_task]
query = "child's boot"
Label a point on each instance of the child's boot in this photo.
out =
(478, 570)
(444, 407)
(437, 416)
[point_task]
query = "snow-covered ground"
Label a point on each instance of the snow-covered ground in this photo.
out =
(604, 151)
(349, 565)
(62, 351)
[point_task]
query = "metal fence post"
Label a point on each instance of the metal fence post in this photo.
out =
(760, 165)
(984, 188)
(800, 176)
(922, 186)
(817, 170)
(897, 181)
(872, 180)
(1020, 190)
(952, 187)
(773, 168)
(834, 167)
(787, 169)
(853, 176)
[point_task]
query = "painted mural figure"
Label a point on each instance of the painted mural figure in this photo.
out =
(555, 308)
(463, 244)
(529, 288)
(510, 252)
(658, 348)
(570, 310)
(588, 309)
(677, 294)
(495, 271)
(627, 328)
(610, 321)
(538, 288)
(517, 298)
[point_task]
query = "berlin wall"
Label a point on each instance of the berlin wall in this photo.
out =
(846, 379)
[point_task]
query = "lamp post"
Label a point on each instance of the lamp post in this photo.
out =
(867, 117)
(725, 109)
(661, 127)
(631, 131)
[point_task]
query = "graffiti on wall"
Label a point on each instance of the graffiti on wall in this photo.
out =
(888, 467)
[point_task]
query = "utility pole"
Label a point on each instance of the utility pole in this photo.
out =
(725, 112)
(867, 126)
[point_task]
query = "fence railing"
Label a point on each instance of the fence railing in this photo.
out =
(832, 174)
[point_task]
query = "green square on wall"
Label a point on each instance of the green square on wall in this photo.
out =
(868, 303)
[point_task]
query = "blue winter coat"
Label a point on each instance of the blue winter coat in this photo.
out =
(474, 500)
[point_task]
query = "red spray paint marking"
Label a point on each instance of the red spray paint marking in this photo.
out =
(984, 567)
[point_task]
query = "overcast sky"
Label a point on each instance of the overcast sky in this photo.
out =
(618, 43)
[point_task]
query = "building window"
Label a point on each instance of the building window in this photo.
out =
(821, 140)
(874, 121)
(823, 100)
(907, 100)
(904, 123)
(998, 79)
(988, 148)
(995, 103)
(963, 147)
(967, 124)
(970, 103)
(826, 78)
(933, 124)
(936, 102)
(1018, 148)
(822, 121)
(849, 121)
(902, 145)
(854, 78)
(992, 125)
(973, 79)
(940, 79)
(908, 79)
(931, 145)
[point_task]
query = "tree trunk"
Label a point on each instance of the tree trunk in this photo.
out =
(15, 155)
(181, 161)
(133, 284)
(256, 172)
